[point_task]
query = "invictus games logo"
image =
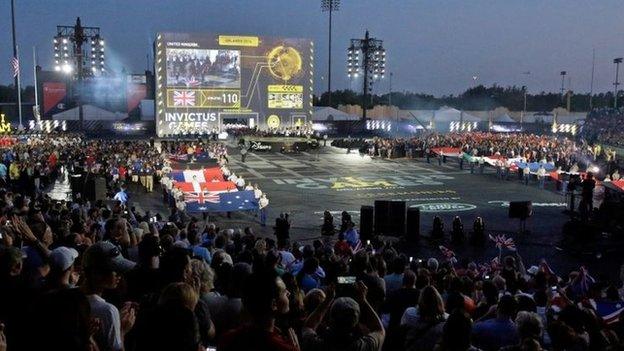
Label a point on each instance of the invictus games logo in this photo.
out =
(445, 207)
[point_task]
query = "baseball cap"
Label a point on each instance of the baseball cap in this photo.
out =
(345, 312)
(105, 256)
(63, 257)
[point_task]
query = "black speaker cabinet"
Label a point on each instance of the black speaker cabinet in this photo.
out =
(520, 209)
(412, 232)
(389, 218)
(366, 222)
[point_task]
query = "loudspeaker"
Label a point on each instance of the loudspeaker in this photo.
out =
(397, 218)
(389, 217)
(382, 214)
(366, 222)
(520, 209)
(412, 232)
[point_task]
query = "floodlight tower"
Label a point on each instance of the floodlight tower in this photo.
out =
(70, 58)
(329, 6)
(617, 62)
(373, 63)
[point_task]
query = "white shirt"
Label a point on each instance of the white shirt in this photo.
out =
(257, 193)
(240, 182)
(249, 187)
(108, 336)
(263, 202)
(541, 172)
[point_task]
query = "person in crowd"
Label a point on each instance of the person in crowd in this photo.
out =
(263, 203)
(265, 298)
(102, 264)
(345, 313)
(499, 331)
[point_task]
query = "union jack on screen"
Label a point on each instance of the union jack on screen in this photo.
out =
(183, 98)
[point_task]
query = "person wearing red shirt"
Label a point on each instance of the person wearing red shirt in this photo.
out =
(122, 173)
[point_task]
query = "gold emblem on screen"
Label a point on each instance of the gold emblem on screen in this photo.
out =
(284, 62)
(273, 121)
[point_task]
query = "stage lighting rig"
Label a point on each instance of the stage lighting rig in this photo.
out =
(367, 57)
(79, 51)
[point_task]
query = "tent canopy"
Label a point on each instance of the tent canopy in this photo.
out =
(90, 113)
(504, 118)
(324, 113)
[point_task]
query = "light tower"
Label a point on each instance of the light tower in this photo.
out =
(329, 6)
(72, 60)
(617, 62)
(372, 63)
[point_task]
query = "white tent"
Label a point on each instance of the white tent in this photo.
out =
(323, 113)
(449, 114)
(505, 118)
(90, 113)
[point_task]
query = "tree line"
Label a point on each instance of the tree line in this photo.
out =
(475, 98)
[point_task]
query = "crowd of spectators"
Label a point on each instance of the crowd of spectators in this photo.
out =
(111, 279)
(82, 275)
(561, 152)
(605, 126)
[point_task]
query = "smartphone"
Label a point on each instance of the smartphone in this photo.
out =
(367, 242)
(487, 277)
(553, 288)
(210, 348)
(419, 260)
(411, 258)
(346, 280)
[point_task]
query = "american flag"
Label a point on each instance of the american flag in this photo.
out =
(501, 241)
(15, 65)
(183, 98)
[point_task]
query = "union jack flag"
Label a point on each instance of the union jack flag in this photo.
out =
(202, 197)
(183, 98)
(501, 241)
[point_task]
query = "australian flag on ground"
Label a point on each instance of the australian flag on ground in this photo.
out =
(215, 201)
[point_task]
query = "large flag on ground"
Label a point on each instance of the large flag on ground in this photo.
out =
(207, 201)
(534, 166)
(447, 151)
(200, 175)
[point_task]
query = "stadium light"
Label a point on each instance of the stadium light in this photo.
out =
(67, 68)
(329, 6)
(617, 62)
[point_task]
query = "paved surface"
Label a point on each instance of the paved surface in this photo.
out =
(306, 184)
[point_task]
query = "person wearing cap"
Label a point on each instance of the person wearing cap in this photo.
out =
(345, 314)
(102, 263)
(62, 274)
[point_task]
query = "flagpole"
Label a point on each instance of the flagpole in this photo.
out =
(19, 90)
(35, 75)
(19, 107)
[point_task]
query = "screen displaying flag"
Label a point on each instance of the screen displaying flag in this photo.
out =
(183, 98)
(15, 66)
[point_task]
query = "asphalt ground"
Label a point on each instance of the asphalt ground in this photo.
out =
(307, 183)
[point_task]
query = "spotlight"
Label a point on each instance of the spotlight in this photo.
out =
(67, 68)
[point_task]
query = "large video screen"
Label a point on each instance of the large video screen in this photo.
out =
(208, 82)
